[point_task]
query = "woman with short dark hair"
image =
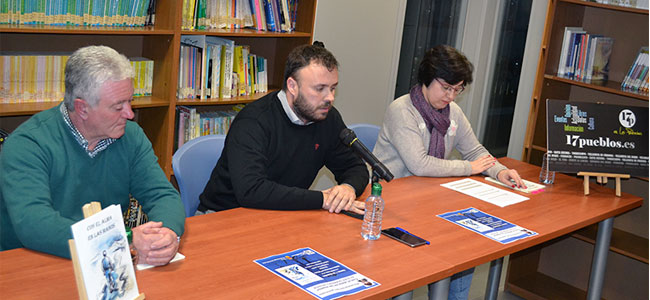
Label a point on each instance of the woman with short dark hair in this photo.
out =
(423, 127)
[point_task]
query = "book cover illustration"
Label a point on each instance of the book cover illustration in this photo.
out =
(603, 51)
(103, 253)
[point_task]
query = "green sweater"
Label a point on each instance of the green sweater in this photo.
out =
(46, 177)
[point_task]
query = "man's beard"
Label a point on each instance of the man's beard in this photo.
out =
(307, 112)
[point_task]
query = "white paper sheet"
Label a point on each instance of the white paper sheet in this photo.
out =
(531, 187)
(485, 192)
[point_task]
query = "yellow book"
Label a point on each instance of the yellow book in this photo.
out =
(136, 74)
(252, 72)
(23, 79)
(14, 91)
(61, 78)
(18, 90)
(20, 68)
(56, 65)
(238, 68)
(142, 77)
(247, 80)
(135, 77)
(149, 78)
(4, 79)
(49, 81)
(40, 78)
(31, 79)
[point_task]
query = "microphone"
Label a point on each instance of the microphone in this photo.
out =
(349, 138)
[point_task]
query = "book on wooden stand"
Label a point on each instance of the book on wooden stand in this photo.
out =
(100, 255)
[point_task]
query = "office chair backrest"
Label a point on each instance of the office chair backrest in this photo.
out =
(193, 163)
(367, 134)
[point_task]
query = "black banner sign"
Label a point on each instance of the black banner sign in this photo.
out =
(594, 137)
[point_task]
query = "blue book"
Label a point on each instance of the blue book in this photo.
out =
(573, 55)
(80, 8)
(270, 18)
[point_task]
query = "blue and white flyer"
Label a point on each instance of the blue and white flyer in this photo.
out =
(489, 226)
(320, 276)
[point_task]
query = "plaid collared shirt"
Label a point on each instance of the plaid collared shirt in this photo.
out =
(101, 145)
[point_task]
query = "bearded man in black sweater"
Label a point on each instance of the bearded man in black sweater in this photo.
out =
(277, 144)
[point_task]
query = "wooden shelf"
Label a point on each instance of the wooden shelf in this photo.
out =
(624, 243)
(246, 33)
(223, 101)
(51, 29)
(23, 109)
(609, 86)
(142, 102)
(609, 6)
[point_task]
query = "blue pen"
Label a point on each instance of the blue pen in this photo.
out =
(403, 230)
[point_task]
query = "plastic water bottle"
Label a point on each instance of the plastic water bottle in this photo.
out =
(371, 228)
(546, 176)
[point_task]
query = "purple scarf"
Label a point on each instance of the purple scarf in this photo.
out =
(437, 121)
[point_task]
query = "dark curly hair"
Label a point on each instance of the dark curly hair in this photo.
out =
(447, 63)
(302, 56)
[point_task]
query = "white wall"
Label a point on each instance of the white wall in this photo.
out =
(365, 36)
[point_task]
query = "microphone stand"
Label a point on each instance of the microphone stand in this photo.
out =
(375, 177)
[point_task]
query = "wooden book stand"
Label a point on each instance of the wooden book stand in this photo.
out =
(602, 178)
(88, 210)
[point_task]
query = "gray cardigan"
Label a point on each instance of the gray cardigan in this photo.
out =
(403, 143)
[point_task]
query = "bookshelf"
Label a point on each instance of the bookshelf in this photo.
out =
(629, 27)
(161, 43)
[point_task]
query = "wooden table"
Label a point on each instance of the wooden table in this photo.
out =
(558, 211)
(221, 247)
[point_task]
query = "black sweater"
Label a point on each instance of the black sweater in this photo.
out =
(269, 162)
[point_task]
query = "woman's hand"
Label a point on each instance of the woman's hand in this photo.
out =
(482, 164)
(511, 178)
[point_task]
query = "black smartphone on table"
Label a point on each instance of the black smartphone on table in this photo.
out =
(404, 236)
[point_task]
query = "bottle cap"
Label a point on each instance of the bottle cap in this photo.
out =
(376, 189)
(129, 234)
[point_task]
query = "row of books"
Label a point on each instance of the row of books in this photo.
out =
(40, 78)
(636, 79)
(268, 15)
(78, 12)
(143, 76)
(191, 124)
(31, 78)
(584, 56)
(214, 67)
